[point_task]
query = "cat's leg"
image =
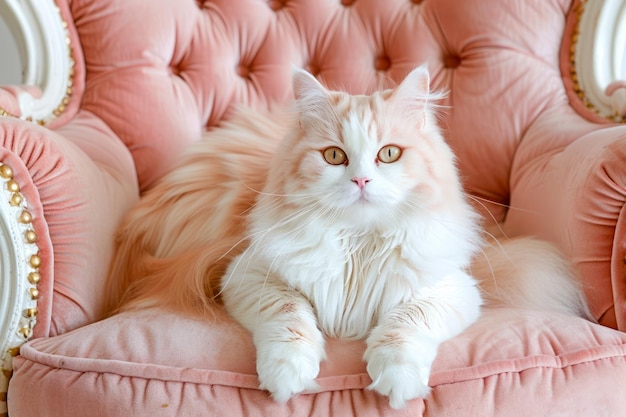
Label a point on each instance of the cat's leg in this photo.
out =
(402, 347)
(289, 344)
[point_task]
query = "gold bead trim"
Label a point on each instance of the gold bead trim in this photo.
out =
(34, 293)
(26, 332)
(34, 278)
(62, 106)
(11, 192)
(3, 112)
(7, 373)
(30, 236)
(6, 172)
(35, 261)
(16, 199)
(13, 186)
(578, 11)
(24, 217)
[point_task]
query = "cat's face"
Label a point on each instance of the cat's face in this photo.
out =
(367, 157)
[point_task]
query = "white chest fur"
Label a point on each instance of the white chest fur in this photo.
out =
(371, 274)
(352, 279)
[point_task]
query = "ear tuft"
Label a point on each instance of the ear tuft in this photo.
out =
(412, 96)
(305, 85)
(415, 86)
(314, 103)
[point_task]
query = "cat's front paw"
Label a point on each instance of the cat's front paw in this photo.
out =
(399, 373)
(288, 368)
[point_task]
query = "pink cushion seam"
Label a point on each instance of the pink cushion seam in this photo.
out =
(354, 381)
(532, 362)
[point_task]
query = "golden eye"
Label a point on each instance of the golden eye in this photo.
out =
(334, 156)
(389, 154)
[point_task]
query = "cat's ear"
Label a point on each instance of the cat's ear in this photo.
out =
(313, 102)
(411, 96)
(307, 89)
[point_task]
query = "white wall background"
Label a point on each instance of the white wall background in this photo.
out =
(10, 64)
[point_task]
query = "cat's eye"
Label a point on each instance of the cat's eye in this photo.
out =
(389, 154)
(334, 156)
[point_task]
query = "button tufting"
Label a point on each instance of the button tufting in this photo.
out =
(313, 69)
(347, 3)
(276, 5)
(243, 71)
(175, 70)
(382, 63)
(451, 61)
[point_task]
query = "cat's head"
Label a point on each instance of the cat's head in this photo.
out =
(366, 157)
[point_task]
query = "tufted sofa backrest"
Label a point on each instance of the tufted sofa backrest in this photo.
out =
(160, 72)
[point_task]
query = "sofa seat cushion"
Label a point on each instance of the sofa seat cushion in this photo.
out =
(158, 363)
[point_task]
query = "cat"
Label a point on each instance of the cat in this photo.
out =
(343, 216)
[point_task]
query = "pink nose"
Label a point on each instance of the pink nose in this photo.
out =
(361, 181)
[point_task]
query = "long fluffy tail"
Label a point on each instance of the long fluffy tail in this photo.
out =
(187, 281)
(173, 247)
(175, 244)
(529, 273)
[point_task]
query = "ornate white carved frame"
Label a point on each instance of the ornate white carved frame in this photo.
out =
(43, 41)
(600, 57)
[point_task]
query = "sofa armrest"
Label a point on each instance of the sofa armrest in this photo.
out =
(568, 185)
(19, 274)
(74, 184)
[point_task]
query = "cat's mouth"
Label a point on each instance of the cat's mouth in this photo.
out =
(362, 198)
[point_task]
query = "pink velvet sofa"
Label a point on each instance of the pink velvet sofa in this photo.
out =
(146, 78)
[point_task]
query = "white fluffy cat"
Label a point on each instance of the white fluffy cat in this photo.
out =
(361, 231)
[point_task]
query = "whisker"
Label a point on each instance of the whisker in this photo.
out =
(293, 231)
(491, 269)
(264, 193)
(256, 239)
(491, 215)
(294, 198)
(495, 203)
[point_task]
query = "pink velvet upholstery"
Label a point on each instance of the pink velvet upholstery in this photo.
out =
(150, 76)
(78, 181)
(510, 363)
